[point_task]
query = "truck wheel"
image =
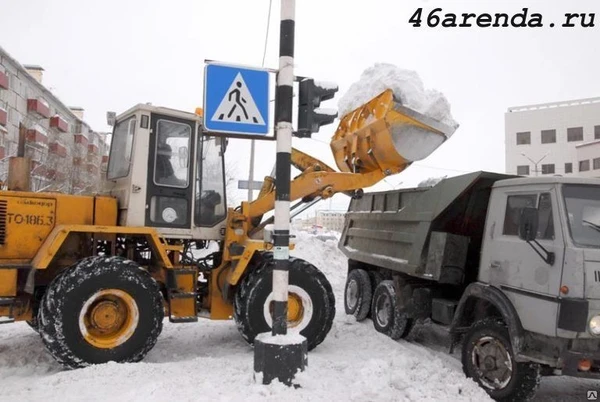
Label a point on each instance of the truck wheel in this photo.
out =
(387, 317)
(101, 309)
(357, 294)
(311, 303)
(33, 323)
(487, 357)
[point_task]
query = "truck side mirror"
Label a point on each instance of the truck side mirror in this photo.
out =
(528, 224)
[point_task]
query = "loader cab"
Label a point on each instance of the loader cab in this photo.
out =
(166, 174)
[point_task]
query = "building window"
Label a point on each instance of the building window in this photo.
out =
(597, 132)
(548, 169)
(575, 134)
(568, 168)
(584, 166)
(524, 138)
(523, 170)
(596, 163)
(548, 136)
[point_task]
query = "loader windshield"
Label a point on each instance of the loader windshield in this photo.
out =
(583, 212)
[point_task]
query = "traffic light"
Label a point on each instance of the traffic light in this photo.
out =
(310, 115)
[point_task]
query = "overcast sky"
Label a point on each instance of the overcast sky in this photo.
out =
(111, 55)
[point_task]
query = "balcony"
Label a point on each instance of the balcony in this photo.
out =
(3, 80)
(59, 123)
(58, 149)
(80, 139)
(37, 136)
(38, 106)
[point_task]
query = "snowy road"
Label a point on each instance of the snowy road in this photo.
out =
(209, 360)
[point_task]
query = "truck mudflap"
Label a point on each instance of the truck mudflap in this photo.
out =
(581, 364)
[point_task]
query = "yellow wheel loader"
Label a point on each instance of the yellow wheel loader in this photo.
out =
(95, 275)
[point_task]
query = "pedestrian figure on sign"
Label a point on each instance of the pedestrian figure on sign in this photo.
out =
(238, 101)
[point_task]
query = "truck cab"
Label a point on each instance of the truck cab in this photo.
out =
(559, 296)
(507, 266)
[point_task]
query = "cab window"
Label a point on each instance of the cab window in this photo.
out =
(120, 149)
(210, 201)
(514, 207)
(172, 159)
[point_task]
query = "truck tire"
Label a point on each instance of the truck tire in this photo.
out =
(101, 309)
(357, 294)
(487, 357)
(386, 316)
(311, 303)
(33, 323)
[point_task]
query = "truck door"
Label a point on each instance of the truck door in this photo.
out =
(170, 172)
(514, 266)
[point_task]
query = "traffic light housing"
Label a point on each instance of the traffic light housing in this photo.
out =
(310, 115)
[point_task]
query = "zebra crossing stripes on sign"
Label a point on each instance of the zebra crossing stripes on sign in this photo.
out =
(236, 100)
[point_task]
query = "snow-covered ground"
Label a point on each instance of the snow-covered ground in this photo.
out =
(210, 360)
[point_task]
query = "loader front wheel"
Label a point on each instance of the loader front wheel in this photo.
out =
(99, 310)
(311, 303)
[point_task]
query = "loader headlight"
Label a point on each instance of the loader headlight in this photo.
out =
(594, 325)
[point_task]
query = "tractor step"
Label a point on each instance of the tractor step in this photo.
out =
(7, 301)
(182, 296)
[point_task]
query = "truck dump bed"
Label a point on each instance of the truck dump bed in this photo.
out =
(432, 232)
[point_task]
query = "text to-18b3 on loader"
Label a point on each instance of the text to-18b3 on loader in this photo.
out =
(95, 275)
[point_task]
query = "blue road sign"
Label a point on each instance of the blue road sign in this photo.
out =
(236, 100)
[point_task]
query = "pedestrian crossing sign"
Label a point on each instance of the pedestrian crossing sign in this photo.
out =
(236, 100)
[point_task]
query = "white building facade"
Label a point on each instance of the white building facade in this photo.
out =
(559, 138)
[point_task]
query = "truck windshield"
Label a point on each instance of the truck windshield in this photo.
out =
(583, 211)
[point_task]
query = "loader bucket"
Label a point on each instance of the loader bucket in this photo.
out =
(384, 135)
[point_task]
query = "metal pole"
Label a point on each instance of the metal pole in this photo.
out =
(283, 125)
(251, 172)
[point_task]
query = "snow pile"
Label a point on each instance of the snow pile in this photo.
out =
(412, 143)
(430, 182)
(209, 360)
(408, 89)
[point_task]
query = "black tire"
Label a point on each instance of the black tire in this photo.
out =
(376, 278)
(518, 384)
(251, 298)
(33, 323)
(357, 294)
(91, 285)
(387, 318)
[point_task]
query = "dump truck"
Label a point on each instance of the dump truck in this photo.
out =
(508, 266)
(96, 274)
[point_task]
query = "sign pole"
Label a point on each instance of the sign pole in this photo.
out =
(275, 356)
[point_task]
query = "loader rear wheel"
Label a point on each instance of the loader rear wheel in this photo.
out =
(387, 317)
(357, 294)
(101, 309)
(311, 303)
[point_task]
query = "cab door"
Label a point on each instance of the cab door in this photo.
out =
(513, 265)
(170, 172)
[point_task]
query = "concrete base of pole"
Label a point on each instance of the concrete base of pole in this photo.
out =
(279, 357)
